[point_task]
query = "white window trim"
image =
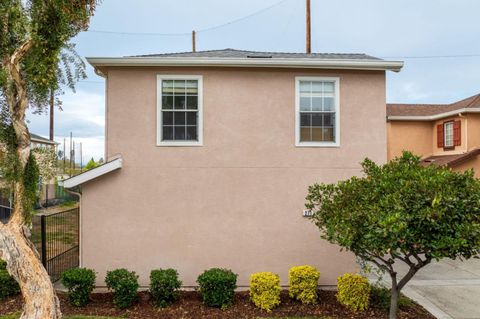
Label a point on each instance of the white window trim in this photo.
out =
(160, 78)
(336, 80)
(449, 123)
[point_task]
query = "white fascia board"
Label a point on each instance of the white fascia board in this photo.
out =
(383, 65)
(36, 140)
(92, 174)
(432, 117)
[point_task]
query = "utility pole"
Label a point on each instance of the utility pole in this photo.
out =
(309, 48)
(64, 154)
(52, 107)
(71, 152)
(81, 158)
(194, 40)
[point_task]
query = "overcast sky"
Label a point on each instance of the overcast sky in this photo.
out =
(437, 39)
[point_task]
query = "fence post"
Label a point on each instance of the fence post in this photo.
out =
(43, 232)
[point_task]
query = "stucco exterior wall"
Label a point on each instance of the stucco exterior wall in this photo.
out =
(413, 136)
(473, 130)
(236, 201)
(473, 163)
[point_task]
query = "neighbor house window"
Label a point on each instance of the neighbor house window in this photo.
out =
(317, 111)
(448, 134)
(179, 110)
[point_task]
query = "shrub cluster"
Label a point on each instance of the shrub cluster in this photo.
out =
(164, 286)
(353, 291)
(80, 283)
(265, 290)
(303, 281)
(124, 284)
(8, 285)
(217, 287)
(380, 298)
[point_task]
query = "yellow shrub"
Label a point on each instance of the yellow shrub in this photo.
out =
(265, 290)
(353, 291)
(303, 283)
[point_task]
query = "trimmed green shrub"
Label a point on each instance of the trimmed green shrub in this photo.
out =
(380, 298)
(353, 291)
(80, 283)
(303, 282)
(8, 285)
(217, 287)
(124, 284)
(164, 286)
(265, 290)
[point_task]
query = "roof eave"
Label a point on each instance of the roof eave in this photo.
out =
(349, 64)
(92, 174)
(42, 141)
(431, 117)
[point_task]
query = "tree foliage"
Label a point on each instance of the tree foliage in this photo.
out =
(401, 211)
(91, 164)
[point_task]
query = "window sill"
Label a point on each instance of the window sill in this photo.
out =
(180, 144)
(313, 144)
(449, 148)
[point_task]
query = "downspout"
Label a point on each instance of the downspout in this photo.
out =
(80, 228)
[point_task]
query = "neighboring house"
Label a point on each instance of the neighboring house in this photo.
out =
(38, 141)
(443, 134)
(210, 155)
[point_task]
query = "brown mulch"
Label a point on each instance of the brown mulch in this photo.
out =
(190, 306)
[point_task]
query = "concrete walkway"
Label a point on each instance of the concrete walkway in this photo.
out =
(449, 289)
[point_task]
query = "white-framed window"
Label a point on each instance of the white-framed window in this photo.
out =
(448, 134)
(179, 110)
(317, 111)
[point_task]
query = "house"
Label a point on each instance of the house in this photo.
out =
(210, 155)
(443, 134)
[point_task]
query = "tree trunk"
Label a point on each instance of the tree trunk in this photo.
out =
(394, 293)
(40, 300)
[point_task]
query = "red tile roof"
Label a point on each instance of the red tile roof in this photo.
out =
(450, 160)
(432, 109)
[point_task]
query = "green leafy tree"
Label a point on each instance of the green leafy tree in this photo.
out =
(401, 212)
(32, 36)
(91, 164)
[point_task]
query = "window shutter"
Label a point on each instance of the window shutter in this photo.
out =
(457, 133)
(440, 135)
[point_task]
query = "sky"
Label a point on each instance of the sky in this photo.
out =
(437, 39)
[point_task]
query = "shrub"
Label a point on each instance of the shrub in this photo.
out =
(164, 286)
(265, 290)
(353, 291)
(8, 285)
(80, 283)
(380, 298)
(303, 282)
(217, 287)
(124, 284)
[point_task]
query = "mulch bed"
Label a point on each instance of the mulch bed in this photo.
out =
(190, 306)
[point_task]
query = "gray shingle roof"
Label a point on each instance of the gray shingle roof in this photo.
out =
(41, 139)
(232, 53)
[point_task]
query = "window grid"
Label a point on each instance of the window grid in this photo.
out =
(448, 134)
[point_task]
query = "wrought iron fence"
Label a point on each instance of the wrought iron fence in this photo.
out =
(56, 237)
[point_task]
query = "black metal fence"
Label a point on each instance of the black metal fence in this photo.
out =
(56, 237)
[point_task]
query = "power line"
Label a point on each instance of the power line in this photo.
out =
(188, 33)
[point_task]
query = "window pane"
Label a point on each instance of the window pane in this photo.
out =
(305, 104)
(317, 87)
(179, 102)
(305, 134)
(167, 102)
(305, 86)
(328, 87)
(179, 118)
(167, 134)
(328, 104)
(316, 103)
(179, 86)
(192, 133)
(305, 119)
(167, 118)
(179, 132)
(192, 87)
(167, 86)
(191, 118)
(329, 119)
(317, 119)
(192, 102)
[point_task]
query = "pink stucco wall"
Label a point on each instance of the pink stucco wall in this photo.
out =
(237, 201)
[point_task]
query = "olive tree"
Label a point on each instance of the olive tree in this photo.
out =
(32, 35)
(400, 212)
